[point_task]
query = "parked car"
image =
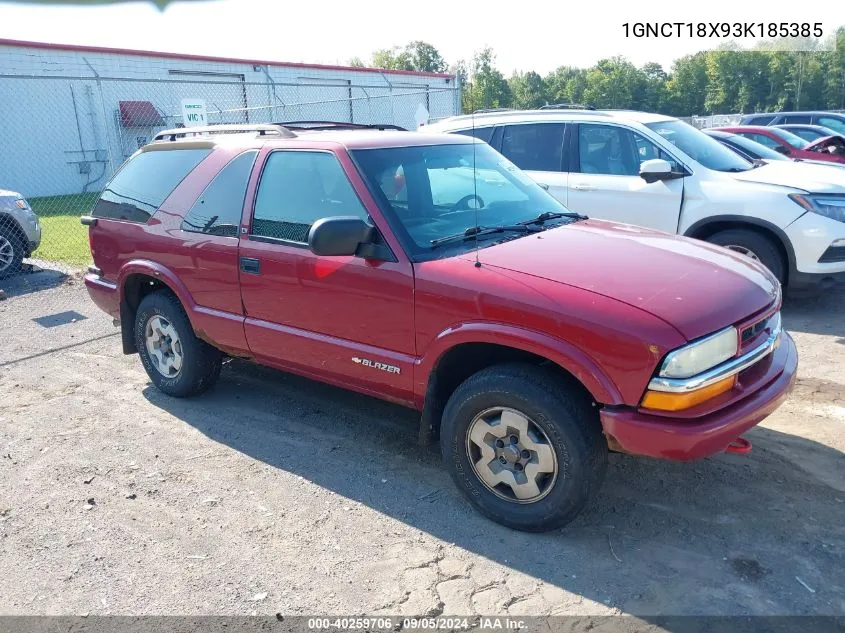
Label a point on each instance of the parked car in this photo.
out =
(808, 132)
(834, 121)
(531, 339)
(656, 171)
(831, 148)
(752, 151)
(20, 232)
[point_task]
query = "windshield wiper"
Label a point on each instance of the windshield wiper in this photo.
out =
(553, 215)
(478, 231)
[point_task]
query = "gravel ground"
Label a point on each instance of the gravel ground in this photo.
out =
(276, 494)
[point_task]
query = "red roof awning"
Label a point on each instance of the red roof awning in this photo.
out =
(139, 114)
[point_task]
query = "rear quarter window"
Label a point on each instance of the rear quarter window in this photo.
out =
(144, 182)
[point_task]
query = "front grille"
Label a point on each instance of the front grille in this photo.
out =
(753, 330)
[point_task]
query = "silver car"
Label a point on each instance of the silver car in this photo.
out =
(20, 232)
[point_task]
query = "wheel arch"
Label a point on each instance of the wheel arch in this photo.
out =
(461, 352)
(710, 226)
(136, 280)
(8, 220)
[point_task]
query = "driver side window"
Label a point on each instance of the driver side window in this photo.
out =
(298, 188)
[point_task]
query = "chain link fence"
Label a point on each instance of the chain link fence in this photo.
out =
(64, 137)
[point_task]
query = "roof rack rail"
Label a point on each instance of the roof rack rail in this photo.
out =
(486, 110)
(566, 106)
(226, 128)
(338, 125)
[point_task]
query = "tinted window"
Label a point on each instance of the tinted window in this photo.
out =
(796, 118)
(807, 135)
(144, 182)
(796, 141)
(299, 188)
(218, 209)
(534, 146)
(754, 149)
(838, 125)
(607, 149)
(763, 140)
(758, 120)
(483, 133)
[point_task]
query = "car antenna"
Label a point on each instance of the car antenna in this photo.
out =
(474, 184)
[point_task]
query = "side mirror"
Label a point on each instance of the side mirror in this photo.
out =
(780, 149)
(655, 169)
(338, 236)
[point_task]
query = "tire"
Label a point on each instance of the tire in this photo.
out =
(11, 251)
(760, 245)
(199, 362)
(571, 430)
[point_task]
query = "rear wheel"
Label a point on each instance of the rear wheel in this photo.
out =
(754, 246)
(11, 252)
(177, 362)
(524, 448)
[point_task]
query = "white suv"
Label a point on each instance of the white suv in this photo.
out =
(659, 172)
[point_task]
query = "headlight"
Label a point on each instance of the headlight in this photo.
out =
(832, 207)
(20, 203)
(700, 356)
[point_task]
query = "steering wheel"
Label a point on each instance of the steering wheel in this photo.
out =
(463, 203)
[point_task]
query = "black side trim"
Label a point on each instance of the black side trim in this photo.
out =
(833, 254)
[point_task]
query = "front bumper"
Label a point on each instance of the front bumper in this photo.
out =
(632, 431)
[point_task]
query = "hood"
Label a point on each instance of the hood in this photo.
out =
(809, 177)
(5, 193)
(694, 286)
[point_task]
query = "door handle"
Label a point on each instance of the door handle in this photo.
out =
(582, 186)
(250, 265)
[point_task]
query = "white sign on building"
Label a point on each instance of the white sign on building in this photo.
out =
(193, 112)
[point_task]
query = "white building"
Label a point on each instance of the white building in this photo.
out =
(72, 114)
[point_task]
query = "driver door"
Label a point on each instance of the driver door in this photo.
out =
(605, 179)
(346, 320)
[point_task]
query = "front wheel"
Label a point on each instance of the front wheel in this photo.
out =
(754, 246)
(524, 448)
(177, 362)
(11, 251)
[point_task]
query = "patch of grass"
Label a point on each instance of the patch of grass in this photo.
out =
(63, 238)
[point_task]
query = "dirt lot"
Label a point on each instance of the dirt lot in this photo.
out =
(274, 494)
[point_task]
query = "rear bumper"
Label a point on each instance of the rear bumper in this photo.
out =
(104, 294)
(684, 440)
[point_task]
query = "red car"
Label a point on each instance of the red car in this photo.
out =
(427, 270)
(831, 148)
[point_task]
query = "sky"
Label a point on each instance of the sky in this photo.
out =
(525, 36)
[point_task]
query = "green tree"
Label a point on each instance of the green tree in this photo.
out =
(355, 62)
(528, 90)
(687, 85)
(654, 98)
(392, 59)
(615, 83)
(487, 87)
(424, 57)
(566, 84)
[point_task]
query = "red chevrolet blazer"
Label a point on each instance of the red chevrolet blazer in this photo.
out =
(427, 270)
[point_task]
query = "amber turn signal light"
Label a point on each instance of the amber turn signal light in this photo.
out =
(666, 401)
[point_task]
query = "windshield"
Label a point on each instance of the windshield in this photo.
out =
(754, 148)
(434, 191)
(696, 144)
(793, 139)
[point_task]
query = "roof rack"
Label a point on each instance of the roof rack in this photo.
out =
(233, 128)
(338, 125)
(565, 106)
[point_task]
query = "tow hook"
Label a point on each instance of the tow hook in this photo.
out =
(740, 446)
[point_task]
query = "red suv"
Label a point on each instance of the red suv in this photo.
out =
(426, 269)
(829, 149)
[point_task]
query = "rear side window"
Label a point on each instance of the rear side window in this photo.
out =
(534, 146)
(143, 183)
(483, 133)
(758, 120)
(218, 210)
(837, 125)
(796, 118)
